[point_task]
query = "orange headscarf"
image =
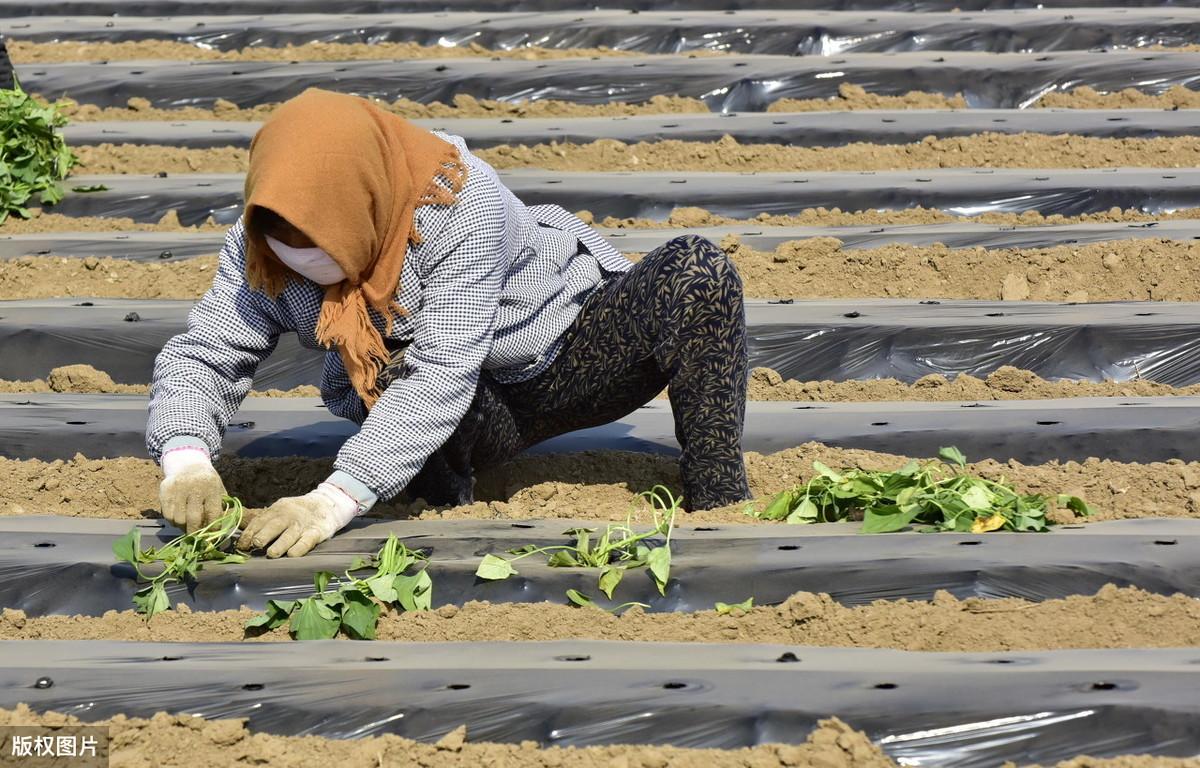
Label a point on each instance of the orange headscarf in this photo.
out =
(349, 176)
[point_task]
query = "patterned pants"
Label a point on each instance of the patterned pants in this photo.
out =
(676, 318)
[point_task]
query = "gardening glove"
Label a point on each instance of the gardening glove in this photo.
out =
(191, 494)
(296, 524)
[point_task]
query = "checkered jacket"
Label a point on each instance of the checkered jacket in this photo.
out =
(492, 286)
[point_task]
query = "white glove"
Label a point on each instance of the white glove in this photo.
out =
(191, 494)
(298, 523)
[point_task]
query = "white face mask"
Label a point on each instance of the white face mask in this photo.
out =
(312, 263)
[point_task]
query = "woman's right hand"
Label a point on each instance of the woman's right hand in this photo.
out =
(192, 494)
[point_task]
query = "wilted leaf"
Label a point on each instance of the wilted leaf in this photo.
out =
(985, 524)
(724, 609)
(610, 577)
(578, 598)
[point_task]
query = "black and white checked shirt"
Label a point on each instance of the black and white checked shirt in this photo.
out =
(493, 286)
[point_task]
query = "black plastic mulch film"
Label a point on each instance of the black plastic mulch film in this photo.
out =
(777, 32)
(923, 708)
(180, 7)
(59, 426)
(60, 565)
(169, 246)
(800, 129)
(725, 83)
(964, 192)
(807, 340)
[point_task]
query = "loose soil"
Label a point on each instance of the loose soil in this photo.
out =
(461, 105)
(1086, 97)
(84, 379)
(1005, 383)
(181, 741)
(1117, 270)
(592, 485)
(849, 98)
(42, 222)
(24, 52)
(1112, 618)
(985, 150)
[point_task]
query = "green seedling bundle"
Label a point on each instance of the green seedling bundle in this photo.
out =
(34, 158)
(181, 559)
(930, 496)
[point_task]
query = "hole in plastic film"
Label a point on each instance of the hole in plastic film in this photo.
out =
(789, 547)
(580, 657)
(1104, 686)
(674, 685)
(43, 683)
(1047, 423)
(879, 423)
(969, 543)
(1166, 542)
(77, 423)
(458, 686)
(886, 686)
(521, 525)
(48, 544)
(253, 687)
(788, 658)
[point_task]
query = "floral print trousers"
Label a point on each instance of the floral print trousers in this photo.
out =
(675, 319)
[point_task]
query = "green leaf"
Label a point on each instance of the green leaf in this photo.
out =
(723, 609)
(275, 615)
(952, 455)
(494, 568)
(610, 577)
(360, 563)
(384, 587)
(659, 561)
(415, 593)
(360, 615)
(562, 558)
(807, 512)
(1075, 504)
(825, 471)
(151, 600)
(321, 580)
(779, 507)
(313, 620)
(578, 598)
(876, 522)
(90, 188)
(128, 547)
(976, 498)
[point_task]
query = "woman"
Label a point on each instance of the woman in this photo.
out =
(462, 326)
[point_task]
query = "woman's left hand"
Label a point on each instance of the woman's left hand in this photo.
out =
(294, 525)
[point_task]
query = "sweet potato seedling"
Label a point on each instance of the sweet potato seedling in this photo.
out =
(182, 558)
(614, 551)
(34, 158)
(932, 496)
(354, 604)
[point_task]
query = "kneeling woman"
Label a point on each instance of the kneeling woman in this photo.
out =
(462, 326)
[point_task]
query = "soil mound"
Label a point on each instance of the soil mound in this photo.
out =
(140, 743)
(597, 485)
